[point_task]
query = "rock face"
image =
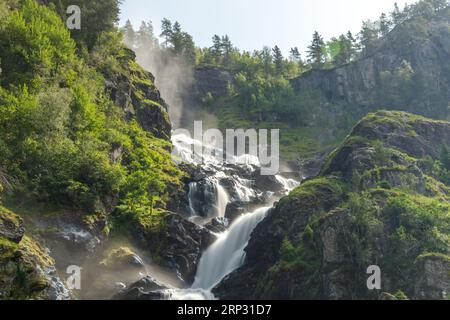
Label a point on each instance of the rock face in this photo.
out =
(11, 226)
(367, 83)
(212, 80)
(377, 201)
(434, 280)
(134, 90)
(26, 270)
(177, 245)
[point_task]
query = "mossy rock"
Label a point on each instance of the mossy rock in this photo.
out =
(22, 270)
(11, 225)
(120, 258)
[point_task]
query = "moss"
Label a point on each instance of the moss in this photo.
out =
(8, 249)
(32, 250)
(8, 215)
(400, 295)
(21, 269)
(433, 256)
(316, 188)
(301, 259)
(117, 258)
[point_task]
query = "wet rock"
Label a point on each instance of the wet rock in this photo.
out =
(182, 245)
(11, 225)
(147, 288)
(267, 183)
(236, 209)
(218, 225)
(122, 258)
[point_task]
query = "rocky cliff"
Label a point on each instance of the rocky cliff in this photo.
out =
(381, 199)
(408, 70)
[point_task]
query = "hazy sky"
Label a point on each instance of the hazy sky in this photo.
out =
(251, 24)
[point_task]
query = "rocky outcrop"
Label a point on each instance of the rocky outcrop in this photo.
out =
(11, 226)
(212, 80)
(176, 245)
(134, 90)
(376, 202)
(145, 289)
(368, 83)
(434, 277)
(26, 269)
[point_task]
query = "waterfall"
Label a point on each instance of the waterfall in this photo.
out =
(288, 184)
(191, 195)
(222, 201)
(208, 198)
(227, 253)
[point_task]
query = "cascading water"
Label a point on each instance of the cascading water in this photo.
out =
(227, 253)
(222, 201)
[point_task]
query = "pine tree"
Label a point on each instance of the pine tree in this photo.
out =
(188, 48)
(177, 38)
(145, 36)
(295, 55)
(396, 15)
(316, 50)
(346, 50)
(385, 25)
(129, 34)
(227, 49)
(368, 36)
(166, 31)
(278, 59)
(216, 49)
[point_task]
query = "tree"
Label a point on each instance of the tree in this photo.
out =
(316, 50)
(385, 25)
(188, 48)
(396, 15)
(145, 36)
(227, 48)
(295, 55)
(445, 156)
(216, 49)
(166, 31)
(368, 36)
(129, 34)
(98, 16)
(278, 59)
(346, 49)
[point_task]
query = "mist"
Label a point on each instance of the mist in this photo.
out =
(173, 78)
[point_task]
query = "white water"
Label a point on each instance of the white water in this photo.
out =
(227, 253)
(222, 201)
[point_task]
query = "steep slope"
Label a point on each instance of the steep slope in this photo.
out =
(381, 199)
(85, 151)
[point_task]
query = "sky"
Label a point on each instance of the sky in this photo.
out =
(252, 24)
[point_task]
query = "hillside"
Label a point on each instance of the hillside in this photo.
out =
(381, 199)
(84, 145)
(404, 70)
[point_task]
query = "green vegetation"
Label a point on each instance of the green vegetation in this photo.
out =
(64, 142)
